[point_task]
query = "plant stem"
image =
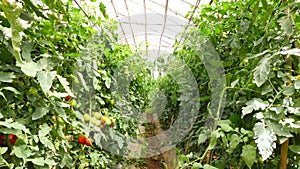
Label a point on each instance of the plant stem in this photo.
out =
(251, 90)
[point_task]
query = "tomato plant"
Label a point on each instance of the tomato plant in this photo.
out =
(38, 74)
(257, 43)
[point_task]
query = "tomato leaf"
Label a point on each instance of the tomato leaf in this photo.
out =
(62, 113)
(21, 151)
(295, 148)
(63, 81)
(29, 68)
(47, 143)
(278, 129)
(40, 112)
(225, 125)
(254, 104)
(294, 51)
(102, 9)
(261, 72)
(3, 150)
(286, 25)
(234, 141)
(14, 125)
(248, 155)
(37, 161)
(297, 84)
(44, 130)
(213, 142)
(288, 90)
(206, 166)
(12, 14)
(197, 166)
(50, 162)
(45, 79)
(259, 54)
(7, 77)
(11, 89)
(265, 139)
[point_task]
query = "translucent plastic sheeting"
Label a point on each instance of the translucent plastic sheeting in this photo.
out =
(156, 23)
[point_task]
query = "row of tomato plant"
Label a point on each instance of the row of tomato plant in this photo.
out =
(258, 45)
(49, 97)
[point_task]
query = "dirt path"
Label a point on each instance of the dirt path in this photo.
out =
(163, 161)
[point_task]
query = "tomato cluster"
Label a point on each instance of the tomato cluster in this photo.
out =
(99, 120)
(11, 138)
(84, 140)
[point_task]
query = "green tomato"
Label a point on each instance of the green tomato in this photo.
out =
(75, 79)
(245, 139)
(108, 122)
(86, 117)
(102, 65)
(30, 110)
(59, 119)
(98, 123)
(112, 102)
(97, 115)
(260, 160)
(33, 91)
(94, 121)
(73, 103)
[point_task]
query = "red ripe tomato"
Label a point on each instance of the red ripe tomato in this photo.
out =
(81, 139)
(13, 141)
(12, 138)
(88, 142)
(67, 98)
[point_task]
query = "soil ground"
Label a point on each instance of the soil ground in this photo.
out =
(162, 161)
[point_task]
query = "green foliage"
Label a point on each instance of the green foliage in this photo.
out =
(253, 39)
(39, 68)
(249, 155)
(12, 13)
(265, 140)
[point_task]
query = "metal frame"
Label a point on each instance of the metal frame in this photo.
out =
(167, 10)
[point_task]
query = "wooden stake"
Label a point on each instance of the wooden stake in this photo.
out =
(283, 154)
(285, 146)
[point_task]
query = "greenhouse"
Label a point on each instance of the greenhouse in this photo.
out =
(149, 84)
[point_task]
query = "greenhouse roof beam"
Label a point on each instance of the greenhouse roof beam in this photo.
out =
(190, 20)
(164, 26)
(145, 15)
(120, 23)
(167, 8)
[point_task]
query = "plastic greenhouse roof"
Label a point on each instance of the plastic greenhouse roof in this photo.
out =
(157, 22)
